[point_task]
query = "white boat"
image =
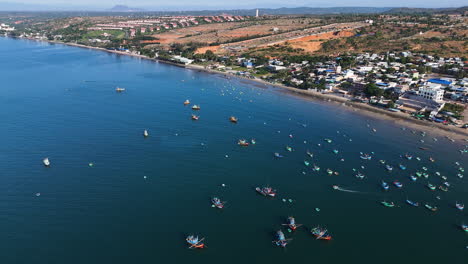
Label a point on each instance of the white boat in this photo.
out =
(145, 133)
(46, 162)
(119, 89)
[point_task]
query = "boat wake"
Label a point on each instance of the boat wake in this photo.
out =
(344, 190)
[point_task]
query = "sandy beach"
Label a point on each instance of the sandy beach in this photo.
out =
(402, 119)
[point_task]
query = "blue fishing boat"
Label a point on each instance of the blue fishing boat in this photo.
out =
(416, 204)
(281, 240)
(385, 185)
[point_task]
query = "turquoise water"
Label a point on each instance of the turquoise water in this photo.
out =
(60, 102)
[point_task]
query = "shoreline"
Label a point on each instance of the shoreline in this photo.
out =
(366, 109)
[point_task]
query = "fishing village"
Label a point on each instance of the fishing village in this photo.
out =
(235, 137)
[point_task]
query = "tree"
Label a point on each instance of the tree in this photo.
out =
(371, 89)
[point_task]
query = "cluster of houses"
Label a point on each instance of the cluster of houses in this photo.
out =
(412, 91)
(164, 23)
(5, 27)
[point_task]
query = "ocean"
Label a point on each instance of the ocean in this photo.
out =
(114, 196)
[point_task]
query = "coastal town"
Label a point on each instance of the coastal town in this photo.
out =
(296, 52)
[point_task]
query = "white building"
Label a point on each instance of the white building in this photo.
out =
(433, 92)
(6, 27)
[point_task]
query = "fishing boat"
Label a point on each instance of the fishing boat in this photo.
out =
(195, 242)
(321, 233)
(243, 143)
(336, 187)
(329, 172)
(459, 206)
(310, 154)
(431, 159)
(413, 178)
(365, 156)
(398, 184)
(266, 191)
(360, 176)
(186, 102)
(277, 155)
(443, 188)
(382, 161)
(464, 227)
(195, 117)
(402, 167)
(291, 223)
(385, 185)
(253, 141)
(316, 168)
(145, 133)
(335, 151)
(388, 167)
(424, 168)
(416, 204)
(281, 240)
(408, 157)
(288, 148)
(418, 158)
(119, 89)
(388, 204)
(423, 148)
(195, 107)
(430, 207)
(328, 140)
(306, 163)
(216, 202)
(431, 186)
(233, 119)
(46, 162)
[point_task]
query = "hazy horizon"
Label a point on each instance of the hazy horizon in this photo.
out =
(188, 5)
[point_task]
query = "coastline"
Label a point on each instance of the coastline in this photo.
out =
(397, 117)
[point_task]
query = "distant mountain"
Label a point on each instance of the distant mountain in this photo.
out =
(407, 10)
(124, 8)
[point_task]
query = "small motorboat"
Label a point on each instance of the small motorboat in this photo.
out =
(195, 117)
(46, 162)
(329, 172)
(430, 207)
(388, 167)
(306, 163)
(195, 242)
(186, 102)
(277, 155)
(216, 202)
(335, 151)
(145, 133)
(416, 204)
(408, 157)
(402, 167)
(398, 184)
(253, 141)
(336, 187)
(360, 176)
(266, 191)
(413, 178)
(195, 107)
(288, 148)
(316, 168)
(321, 233)
(388, 204)
(431, 159)
(233, 119)
(385, 185)
(459, 206)
(291, 223)
(310, 154)
(431, 186)
(243, 143)
(119, 89)
(443, 188)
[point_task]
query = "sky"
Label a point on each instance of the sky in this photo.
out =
(217, 4)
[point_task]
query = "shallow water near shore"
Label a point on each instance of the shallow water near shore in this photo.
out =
(60, 102)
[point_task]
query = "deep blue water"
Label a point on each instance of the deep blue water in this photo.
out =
(60, 102)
